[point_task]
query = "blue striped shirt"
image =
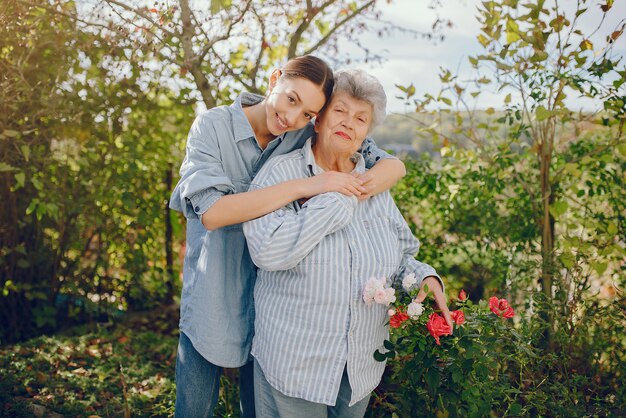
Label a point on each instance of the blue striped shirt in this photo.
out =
(222, 156)
(314, 260)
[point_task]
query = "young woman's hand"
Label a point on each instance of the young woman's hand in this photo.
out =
(335, 181)
(368, 183)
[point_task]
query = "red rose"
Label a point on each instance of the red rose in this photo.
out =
(501, 307)
(437, 326)
(397, 319)
(462, 295)
(458, 317)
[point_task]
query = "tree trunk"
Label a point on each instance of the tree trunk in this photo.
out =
(169, 259)
(547, 238)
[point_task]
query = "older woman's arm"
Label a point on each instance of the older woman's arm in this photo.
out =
(424, 273)
(281, 239)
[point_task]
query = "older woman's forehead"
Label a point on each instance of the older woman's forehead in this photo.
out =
(346, 99)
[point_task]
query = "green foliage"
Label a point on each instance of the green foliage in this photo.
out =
(110, 370)
(123, 369)
(86, 160)
(471, 374)
(528, 202)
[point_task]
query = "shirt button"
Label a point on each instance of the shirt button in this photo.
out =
(197, 209)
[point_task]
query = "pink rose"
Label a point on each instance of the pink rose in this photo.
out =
(462, 295)
(501, 307)
(437, 326)
(458, 317)
(380, 296)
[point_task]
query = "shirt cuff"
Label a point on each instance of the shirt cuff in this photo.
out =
(202, 201)
(428, 273)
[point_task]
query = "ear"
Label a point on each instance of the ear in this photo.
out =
(274, 78)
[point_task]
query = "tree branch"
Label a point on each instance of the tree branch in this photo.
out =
(339, 25)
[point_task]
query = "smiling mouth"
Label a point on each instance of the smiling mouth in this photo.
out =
(281, 123)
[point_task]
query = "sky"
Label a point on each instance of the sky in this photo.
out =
(418, 61)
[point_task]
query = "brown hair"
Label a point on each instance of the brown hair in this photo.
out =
(313, 69)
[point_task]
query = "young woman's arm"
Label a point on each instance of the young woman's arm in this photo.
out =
(384, 169)
(383, 176)
(240, 207)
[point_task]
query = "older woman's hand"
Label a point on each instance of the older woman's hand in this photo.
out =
(434, 286)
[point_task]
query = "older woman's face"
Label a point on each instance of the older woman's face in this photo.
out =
(344, 124)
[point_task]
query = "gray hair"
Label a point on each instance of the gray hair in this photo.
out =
(363, 86)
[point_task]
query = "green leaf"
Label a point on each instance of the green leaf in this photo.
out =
(512, 31)
(25, 151)
(32, 206)
(516, 409)
(568, 259)
(558, 208)
(10, 133)
(621, 148)
(599, 267)
(388, 345)
(484, 41)
(432, 378)
(378, 356)
(6, 167)
(542, 113)
(586, 45)
(20, 178)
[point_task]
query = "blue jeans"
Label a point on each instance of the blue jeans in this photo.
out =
(198, 384)
(270, 403)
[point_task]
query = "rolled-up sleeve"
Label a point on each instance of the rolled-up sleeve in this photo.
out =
(202, 177)
(281, 239)
(372, 154)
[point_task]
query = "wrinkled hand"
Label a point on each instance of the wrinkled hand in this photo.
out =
(434, 287)
(335, 181)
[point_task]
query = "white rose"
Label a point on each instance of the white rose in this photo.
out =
(414, 310)
(408, 281)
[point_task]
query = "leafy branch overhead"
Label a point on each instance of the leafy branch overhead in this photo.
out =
(215, 51)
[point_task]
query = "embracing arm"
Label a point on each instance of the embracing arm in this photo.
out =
(240, 207)
(383, 176)
(385, 170)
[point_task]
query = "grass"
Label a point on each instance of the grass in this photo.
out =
(107, 370)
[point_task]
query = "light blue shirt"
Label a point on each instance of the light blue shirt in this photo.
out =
(314, 260)
(222, 156)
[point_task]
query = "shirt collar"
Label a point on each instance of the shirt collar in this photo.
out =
(241, 127)
(314, 169)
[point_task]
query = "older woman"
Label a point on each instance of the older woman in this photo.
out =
(314, 335)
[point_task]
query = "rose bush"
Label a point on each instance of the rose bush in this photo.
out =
(434, 369)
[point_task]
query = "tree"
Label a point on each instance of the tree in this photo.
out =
(540, 146)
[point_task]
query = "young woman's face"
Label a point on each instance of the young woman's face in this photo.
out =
(292, 103)
(344, 124)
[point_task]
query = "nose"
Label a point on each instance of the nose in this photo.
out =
(346, 121)
(291, 117)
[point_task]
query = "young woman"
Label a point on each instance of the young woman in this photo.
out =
(226, 148)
